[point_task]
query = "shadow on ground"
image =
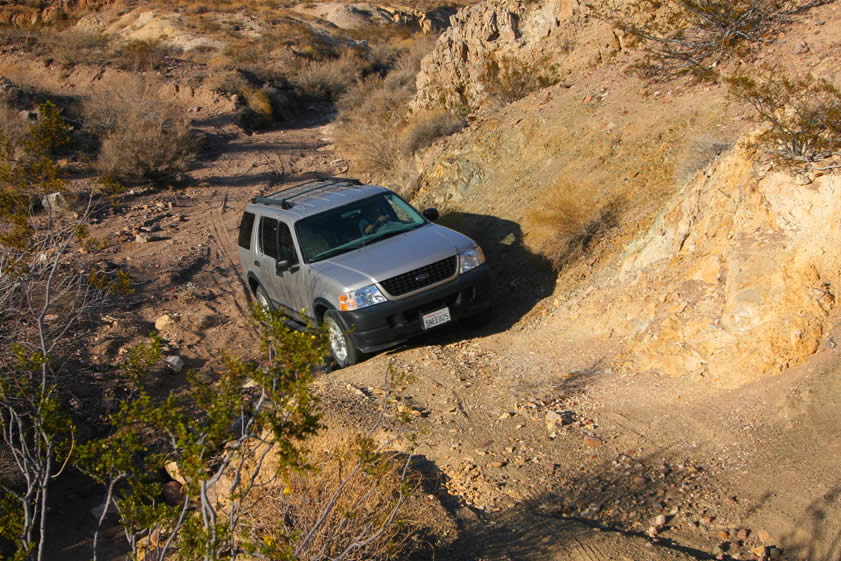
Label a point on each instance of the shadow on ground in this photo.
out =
(521, 278)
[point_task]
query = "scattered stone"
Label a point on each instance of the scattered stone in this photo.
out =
(759, 551)
(496, 464)
(742, 534)
(774, 553)
(163, 322)
(723, 535)
(592, 441)
(652, 532)
(142, 238)
(175, 363)
(659, 521)
(638, 481)
(174, 472)
(588, 99)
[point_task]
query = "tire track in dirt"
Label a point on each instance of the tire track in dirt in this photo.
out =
(222, 242)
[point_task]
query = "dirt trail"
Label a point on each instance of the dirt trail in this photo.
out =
(542, 450)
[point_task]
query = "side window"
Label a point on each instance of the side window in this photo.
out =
(268, 237)
(287, 246)
(245, 228)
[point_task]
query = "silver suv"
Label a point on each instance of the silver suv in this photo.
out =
(360, 260)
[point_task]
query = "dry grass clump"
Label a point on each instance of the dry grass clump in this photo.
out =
(13, 126)
(328, 79)
(143, 136)
(568, 219)
(426, 127)
(374, 111)
(364, 524)
(142, 55)
(509, 79)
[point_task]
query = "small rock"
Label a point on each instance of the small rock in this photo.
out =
(496, 464)
(659, 521)
(163, 322)
(142, 238)
(638, 481)
(774, 553)
(723, 535)
(588, 99)
(764, 537)
(174, 472)
(652, 532)
(759, 551)
(742, 534)
(592, 441)
(504, 416)
(175, 363)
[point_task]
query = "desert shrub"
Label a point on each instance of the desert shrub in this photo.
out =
(568, 220)
(227, 82)
(69, 48)
(694, 36)
(141, 55)
(426, 127)
(510, 79)
(374, 110)
(803, 116)
(328, 79)
(143, 136)
(13, 126)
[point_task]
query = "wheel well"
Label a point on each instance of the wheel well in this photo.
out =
(320, 310)
(253, 284)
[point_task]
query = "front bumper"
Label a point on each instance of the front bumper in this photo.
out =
(388, 324)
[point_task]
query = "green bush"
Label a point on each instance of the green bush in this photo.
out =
(803, 115)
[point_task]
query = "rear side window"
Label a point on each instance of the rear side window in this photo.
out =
(268, 237)
(245, 230)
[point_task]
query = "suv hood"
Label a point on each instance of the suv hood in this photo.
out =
(394, 256)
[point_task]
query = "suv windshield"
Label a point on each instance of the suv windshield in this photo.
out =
(354, 225)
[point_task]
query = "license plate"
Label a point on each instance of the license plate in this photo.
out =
(436, 318)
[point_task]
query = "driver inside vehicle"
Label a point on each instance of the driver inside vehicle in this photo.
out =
(374, 215)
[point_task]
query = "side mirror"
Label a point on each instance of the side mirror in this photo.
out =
(431, 214)
(281, 266)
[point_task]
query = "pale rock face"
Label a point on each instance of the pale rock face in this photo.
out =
(524, 35)
(738, 277)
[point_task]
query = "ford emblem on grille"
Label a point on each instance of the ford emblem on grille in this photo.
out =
(422, 277)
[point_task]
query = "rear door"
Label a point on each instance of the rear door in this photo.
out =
(274, 245)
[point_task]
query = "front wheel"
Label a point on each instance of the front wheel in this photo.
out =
(341, 347)
(263, 299)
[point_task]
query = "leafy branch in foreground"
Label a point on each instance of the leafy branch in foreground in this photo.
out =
(44, 298)
(693, 36)
(231, 445)
(803, 116)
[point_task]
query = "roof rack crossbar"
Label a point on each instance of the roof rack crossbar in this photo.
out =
(286, 202)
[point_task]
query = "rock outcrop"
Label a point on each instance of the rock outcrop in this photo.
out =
(497, 38)
(736, 280)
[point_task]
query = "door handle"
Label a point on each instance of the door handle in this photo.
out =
(256, 263)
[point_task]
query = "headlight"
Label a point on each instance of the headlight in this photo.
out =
(471, 259)
(361, 298)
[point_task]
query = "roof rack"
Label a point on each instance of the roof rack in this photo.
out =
(286, 202)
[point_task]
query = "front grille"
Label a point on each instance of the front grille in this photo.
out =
(419, 278)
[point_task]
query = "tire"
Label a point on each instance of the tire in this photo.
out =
(341, 347)
(263, 299)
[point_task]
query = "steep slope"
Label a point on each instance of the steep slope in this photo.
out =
(731, 274)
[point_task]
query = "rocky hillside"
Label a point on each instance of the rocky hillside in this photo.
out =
(720, 266)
